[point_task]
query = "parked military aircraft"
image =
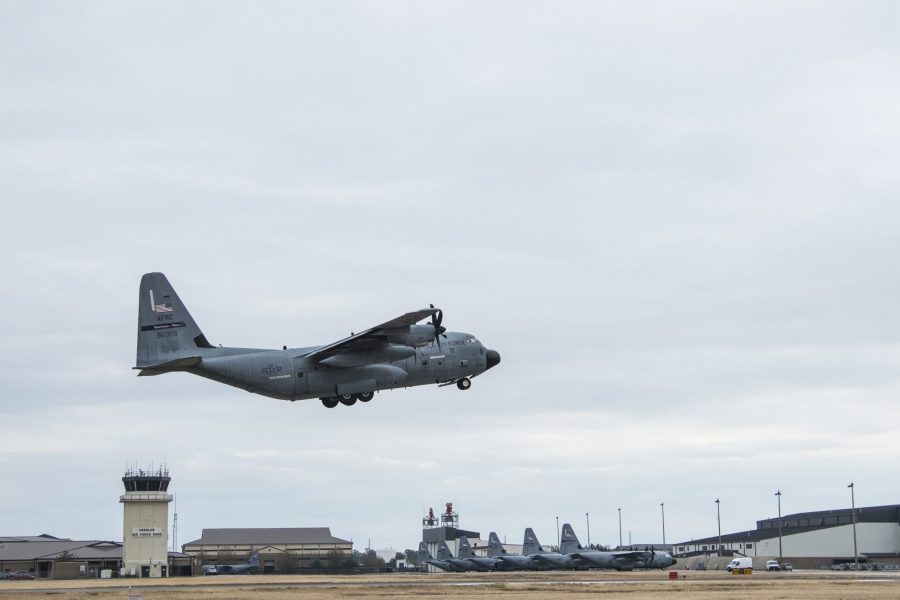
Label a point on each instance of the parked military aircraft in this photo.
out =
(248, 567)
(621, 560)
(398, 353)
(481, 563)
(443, 558)
(464, 560)
(528, 560)
(563, 559)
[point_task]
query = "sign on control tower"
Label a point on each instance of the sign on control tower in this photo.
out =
(145, 524)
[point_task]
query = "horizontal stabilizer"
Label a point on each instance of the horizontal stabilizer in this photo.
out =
(172, 365)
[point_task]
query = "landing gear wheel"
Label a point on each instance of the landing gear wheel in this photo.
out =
(464, 383)
(347, 399)
(329, 402)
(365, 396)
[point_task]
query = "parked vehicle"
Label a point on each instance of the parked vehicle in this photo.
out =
(772, 565)
(22, 575)
(787, 567)
(6, 575)
(743, 564)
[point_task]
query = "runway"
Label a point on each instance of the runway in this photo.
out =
(812, 585)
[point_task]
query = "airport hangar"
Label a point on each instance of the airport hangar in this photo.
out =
(281, 550)
(808, 540)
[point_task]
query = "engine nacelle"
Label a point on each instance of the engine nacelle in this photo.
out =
(415, 335)
(386, 354)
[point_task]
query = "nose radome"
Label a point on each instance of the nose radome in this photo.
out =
(493, 358)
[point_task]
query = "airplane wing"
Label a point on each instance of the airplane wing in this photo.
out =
(367, 339)
(631, 556)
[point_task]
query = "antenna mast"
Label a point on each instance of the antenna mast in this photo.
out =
(175, 523)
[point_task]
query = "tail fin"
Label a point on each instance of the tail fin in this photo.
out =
(531, 545)
(495, 548)
(254, 559)
(444, 551)
(568, 541)
(167, 337)
(465, 548)
(424, 554)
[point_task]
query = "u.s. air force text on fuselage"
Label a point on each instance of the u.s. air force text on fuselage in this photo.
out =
(398, 353)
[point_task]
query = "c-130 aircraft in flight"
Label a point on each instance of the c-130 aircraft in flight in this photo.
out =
(398, 353)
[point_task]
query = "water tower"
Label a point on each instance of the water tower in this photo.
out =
(145, 523)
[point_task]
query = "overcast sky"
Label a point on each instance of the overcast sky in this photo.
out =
(678, 223)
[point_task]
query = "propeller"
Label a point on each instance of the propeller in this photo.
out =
(439, 330)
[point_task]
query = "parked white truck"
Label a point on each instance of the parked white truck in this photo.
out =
(742, 565)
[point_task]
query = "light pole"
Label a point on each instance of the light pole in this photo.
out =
(853, 513)
(780, 554)
(662, 509)
(620, 527)
(557, 534)
(588, 519)
(719, 521)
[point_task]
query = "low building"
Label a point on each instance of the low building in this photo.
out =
(47, 556)
(812, 539)
(281, 550)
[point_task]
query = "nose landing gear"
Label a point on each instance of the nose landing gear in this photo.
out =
(464, 383)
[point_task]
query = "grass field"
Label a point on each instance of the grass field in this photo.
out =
(799, 585)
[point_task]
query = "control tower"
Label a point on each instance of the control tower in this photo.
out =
(145, 523)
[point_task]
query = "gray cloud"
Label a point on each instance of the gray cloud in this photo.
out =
(675, 222)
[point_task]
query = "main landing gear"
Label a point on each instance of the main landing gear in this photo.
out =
(346, 399)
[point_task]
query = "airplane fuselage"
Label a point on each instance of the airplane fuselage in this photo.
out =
(287, 375)
(562, 561)
(523, 562)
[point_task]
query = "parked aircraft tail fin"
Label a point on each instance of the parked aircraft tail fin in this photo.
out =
(444, 551)
(531, 545)
(465, 548)
(254, 559)
(568, 541)
(167, 335)
(424, 554)
(495, 548)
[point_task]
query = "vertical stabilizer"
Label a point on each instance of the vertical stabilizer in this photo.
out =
(444, 551)
(531, 545)
(495, 548)
(568, 541)
(167, 335)
(465, 548)
(424, 554)
(254, 559)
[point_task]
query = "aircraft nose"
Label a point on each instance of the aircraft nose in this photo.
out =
(493, 358)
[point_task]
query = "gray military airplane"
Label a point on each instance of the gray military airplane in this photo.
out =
(465, 558)
(480, 563)
(443, 560)
(621, 560)
(527, 561)
(248, 567)
(563, 559)
(398, 353)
